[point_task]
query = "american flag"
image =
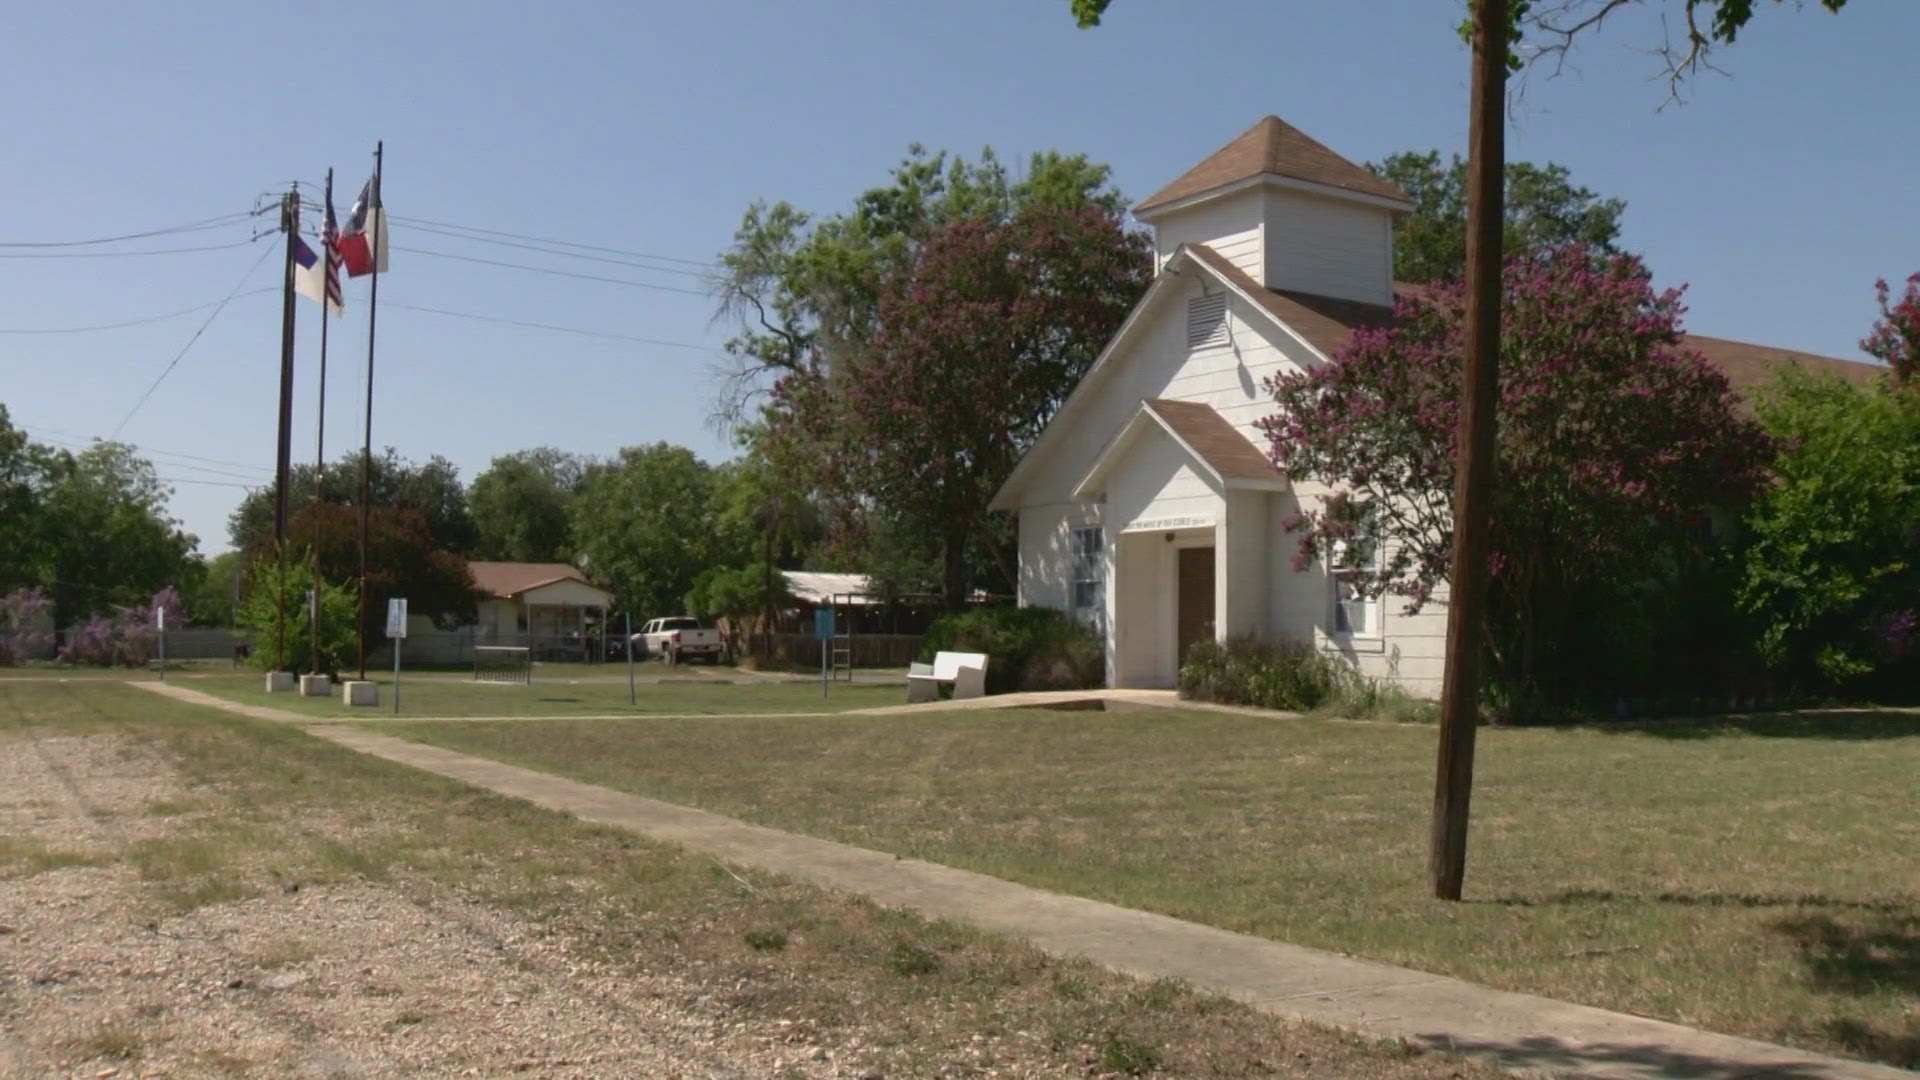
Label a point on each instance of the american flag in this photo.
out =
(330, 243)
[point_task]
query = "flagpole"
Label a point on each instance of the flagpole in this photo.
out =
(290, 224)
(379, 240)
(320, 425)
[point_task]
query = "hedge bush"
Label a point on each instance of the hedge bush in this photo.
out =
(1030, 648)
(1292, 676)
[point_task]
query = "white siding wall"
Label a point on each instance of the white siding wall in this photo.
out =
(1230, 225)
(1247, 562)
(1143, 611)
(1156, 481)
(1328, 247)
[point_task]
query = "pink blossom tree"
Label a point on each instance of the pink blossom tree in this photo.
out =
(980, 338)
(1895, 339)
(1614, 442)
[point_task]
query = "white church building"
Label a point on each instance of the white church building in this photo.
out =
(1149, 506)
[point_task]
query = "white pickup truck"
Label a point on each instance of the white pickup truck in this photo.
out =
(680, 637)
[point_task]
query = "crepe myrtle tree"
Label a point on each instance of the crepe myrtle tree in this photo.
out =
(980, 339)
(1895, 339)
(1615, 439)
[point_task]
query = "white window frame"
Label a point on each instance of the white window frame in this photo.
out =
(1353, 617)
(1087, 566)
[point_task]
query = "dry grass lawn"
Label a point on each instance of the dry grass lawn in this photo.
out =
(1757, 877)
(395, 885)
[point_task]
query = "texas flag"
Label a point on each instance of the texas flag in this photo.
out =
(363, 243)
(311, 279)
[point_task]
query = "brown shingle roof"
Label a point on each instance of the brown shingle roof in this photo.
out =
(1748, 366)
(1327, 323)
(1218, 443)
(1274, 147)
(508, 579)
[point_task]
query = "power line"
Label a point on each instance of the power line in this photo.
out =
(551, 240)
(191, 226)
(560, 329)
(49, 434)
(142, 320)
(547, 270)
(211, 483)
(565, 254)
(121, 254)
(71, 445)
(264, 252)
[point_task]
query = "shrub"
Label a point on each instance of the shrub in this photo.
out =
(1030, 648)
(127, 637)
(23, 622)
(1293, 676)
(274, 593)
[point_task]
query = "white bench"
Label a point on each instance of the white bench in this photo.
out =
(965, 671)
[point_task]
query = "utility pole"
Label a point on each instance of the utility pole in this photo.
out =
(289, 224)
(1473, 472)
(376, 219)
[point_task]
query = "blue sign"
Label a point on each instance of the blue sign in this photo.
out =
(823, 622)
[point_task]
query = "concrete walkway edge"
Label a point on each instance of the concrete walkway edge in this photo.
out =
(1519, 1032)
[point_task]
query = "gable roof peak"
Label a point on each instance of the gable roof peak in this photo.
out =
(1273, 147)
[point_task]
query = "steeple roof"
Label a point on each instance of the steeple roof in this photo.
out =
(1273, 147)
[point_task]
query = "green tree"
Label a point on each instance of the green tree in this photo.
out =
(275, 597)
(27, 470)
(979, 340)
(736, 594)
(1833, 564)
(402, 560)
(643, 525)
(431, 488)
(764, 518)
(1544, 209)
(106, 533)
(520, 506)
(807, 292)
(215, 601)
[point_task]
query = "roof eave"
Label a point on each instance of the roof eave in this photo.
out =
(1149, 210)
(1003, 499)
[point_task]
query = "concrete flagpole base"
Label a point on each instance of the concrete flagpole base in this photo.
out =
(279, 682)
(316, 686)
(357, 692)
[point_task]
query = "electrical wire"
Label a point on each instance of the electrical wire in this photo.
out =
(142, 320)
(56, 434)
(564, 254)
(191, 226)
(268, 250)
(559, 329)
(551, 240)
(210, 483)
(122, 254)
(548, 270)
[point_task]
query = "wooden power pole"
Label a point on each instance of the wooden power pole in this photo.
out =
(290, 224)
(1473, 473)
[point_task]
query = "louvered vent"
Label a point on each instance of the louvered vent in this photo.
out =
(1207, 321)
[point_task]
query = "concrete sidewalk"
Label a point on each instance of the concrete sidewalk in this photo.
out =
(1516, 1031)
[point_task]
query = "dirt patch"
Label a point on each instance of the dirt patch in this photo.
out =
(349, 980)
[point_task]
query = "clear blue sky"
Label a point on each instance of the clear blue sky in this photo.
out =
(1777, 194)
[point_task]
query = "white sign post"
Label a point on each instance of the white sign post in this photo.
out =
(396, 633)
(160, 630)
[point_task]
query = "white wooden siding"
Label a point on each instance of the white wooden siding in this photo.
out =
(1230, 225)
(1045, 558)
(1328, 247)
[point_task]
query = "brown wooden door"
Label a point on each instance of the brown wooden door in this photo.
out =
(1194, 621)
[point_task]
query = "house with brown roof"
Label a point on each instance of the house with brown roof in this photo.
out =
(549, 607)
(1149, 508)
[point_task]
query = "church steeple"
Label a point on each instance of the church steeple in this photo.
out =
(1292, 214)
